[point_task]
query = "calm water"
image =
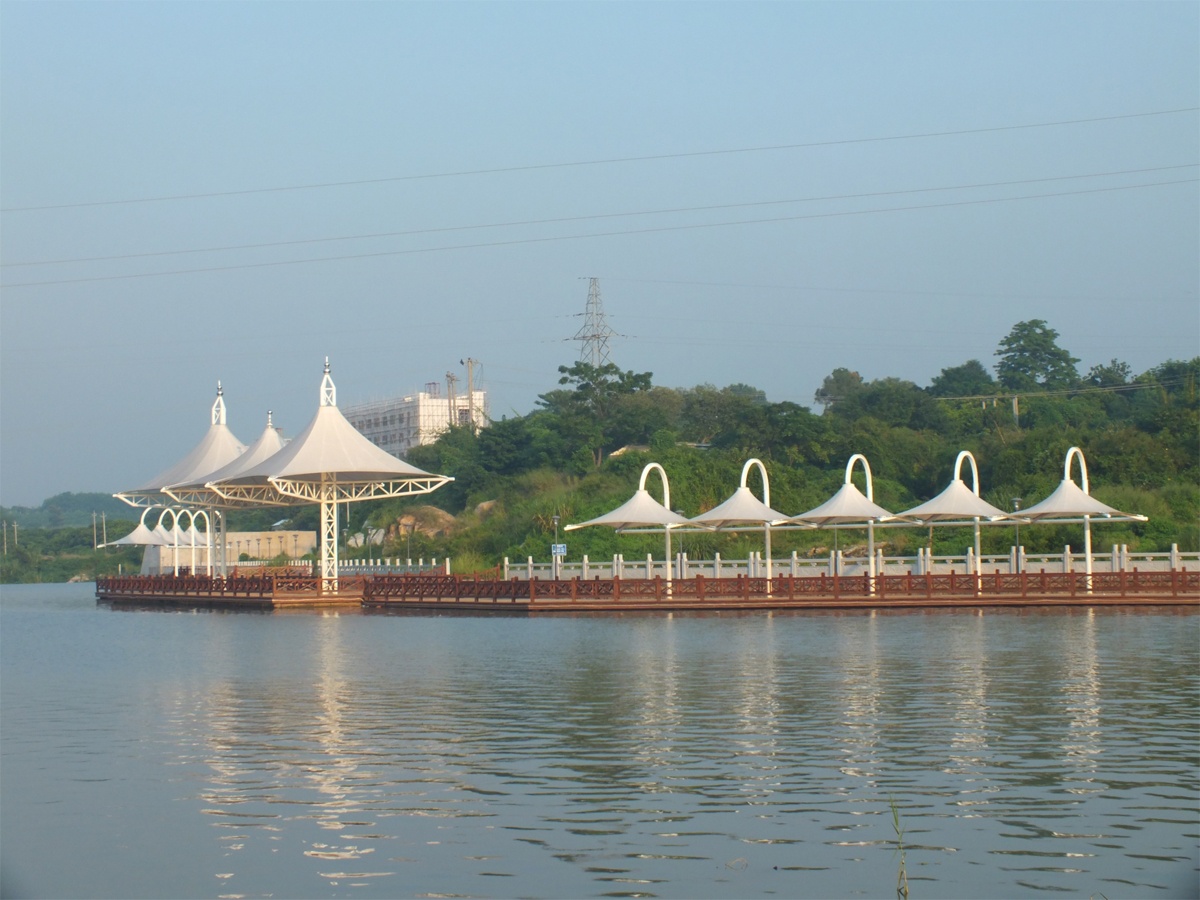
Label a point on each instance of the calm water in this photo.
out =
(160, 754)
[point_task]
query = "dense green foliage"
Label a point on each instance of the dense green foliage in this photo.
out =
(1140, 435)
(580, 452)
(63, 510)
(65, 554)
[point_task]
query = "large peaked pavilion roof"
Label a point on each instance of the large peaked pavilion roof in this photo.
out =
(329, 451)
(218, 447)
(198, 492)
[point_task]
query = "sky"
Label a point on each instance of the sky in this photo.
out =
(204, 192)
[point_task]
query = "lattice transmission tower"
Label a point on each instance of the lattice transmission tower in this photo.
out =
(594, 334)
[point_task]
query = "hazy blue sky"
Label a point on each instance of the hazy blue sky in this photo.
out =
(766, 191)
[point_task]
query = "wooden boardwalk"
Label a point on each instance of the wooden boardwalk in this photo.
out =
(484, 595)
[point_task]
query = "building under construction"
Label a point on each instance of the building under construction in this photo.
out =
(397, 424)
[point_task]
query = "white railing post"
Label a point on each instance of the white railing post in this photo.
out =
(1174, 556)
(716, 565)
(1067, 559)
(585, 567)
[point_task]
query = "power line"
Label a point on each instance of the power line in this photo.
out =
(575, 237)
(593, 217)
(601, 162)
(1106, 389)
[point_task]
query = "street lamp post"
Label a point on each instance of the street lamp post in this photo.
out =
(1016, 503)
(680, 555)
(554, 551)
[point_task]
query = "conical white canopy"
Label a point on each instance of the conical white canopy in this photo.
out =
(218, 447)
(329, 462)
(956, 503)
(742, 508)
(141, 535)
(331, 449)
(639, 511)
(1069, 501)
(267, 445)
(643, 511)
(847, 507)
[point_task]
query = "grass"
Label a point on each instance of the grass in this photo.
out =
(902, 876)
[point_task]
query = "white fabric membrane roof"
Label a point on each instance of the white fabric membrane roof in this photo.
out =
(329, 445)
(218, 447)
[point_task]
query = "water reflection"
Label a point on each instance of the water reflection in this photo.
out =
(675, 756)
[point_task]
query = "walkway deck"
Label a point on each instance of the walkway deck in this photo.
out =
(451, 593)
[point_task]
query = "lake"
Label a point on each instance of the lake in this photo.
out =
(210, 754)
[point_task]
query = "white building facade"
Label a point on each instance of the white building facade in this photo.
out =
(398, 424)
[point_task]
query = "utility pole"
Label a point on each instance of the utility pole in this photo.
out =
(471, 393)
(104, 526)
(94, 545)
(594, 334)
(5, 523)
(451, 399)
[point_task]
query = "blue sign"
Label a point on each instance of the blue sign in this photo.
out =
(558, 549)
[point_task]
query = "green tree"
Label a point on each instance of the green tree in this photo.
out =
(1114, 374)
(838, 385)
(1030, 358)
(970, 379)
(586, 412)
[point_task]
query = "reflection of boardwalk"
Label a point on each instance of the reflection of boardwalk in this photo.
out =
(470, 593)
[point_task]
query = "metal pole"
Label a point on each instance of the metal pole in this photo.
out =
(554, 551)
(1016, 505)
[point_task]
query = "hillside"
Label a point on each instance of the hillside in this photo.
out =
(580, 452)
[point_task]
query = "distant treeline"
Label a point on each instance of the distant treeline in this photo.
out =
(579, 453)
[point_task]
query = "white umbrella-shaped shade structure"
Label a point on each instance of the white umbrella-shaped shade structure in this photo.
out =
(642, 511)
(850, 507)
(743, 508)
(218, 447)
(1070, 502)
(141, 535)
(196, 491)
(327, 463)
(958, 504)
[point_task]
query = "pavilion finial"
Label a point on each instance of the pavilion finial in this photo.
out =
(328, 391)
(269, 425)
(218, 408)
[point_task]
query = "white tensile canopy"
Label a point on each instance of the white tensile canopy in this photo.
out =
(327, 463)
(958, 505)
(141, 535)
(642, 512)
(849, 507)
(218, 447)
(744, 509)
(1071, 503)
(197, 491)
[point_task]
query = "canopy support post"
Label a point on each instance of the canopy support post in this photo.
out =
(329, 536)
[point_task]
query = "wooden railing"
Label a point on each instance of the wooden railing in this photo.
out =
(200, 586)
(381, 589)
(378, 590)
